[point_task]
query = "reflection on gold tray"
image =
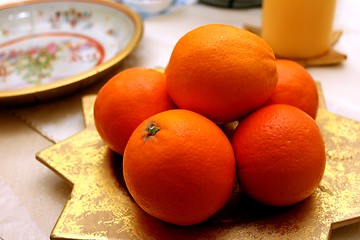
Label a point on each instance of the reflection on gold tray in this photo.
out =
(100, 206)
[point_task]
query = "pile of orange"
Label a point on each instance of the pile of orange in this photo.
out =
(224, 110)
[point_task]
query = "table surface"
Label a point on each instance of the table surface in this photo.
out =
(32, 197)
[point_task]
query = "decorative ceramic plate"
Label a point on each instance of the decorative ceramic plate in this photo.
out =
(101, 208)
(49, 48)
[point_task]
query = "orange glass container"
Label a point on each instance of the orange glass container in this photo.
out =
(298, 28)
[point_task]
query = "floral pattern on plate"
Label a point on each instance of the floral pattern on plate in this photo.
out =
(41, 59)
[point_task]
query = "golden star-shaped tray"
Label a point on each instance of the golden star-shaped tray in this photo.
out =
(100, 206)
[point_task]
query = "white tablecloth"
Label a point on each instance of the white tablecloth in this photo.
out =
(37, 195)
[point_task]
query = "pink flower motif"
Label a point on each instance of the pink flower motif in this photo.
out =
(52, 48)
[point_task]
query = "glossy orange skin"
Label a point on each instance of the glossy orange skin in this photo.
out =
(125, 101)
(295, 87)
(185, 172)
(280, 155)
(221, 71)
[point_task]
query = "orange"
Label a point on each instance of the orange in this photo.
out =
(125, 101)
(295, 87)
(221, 71)
(280, 155)
(179, 167)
